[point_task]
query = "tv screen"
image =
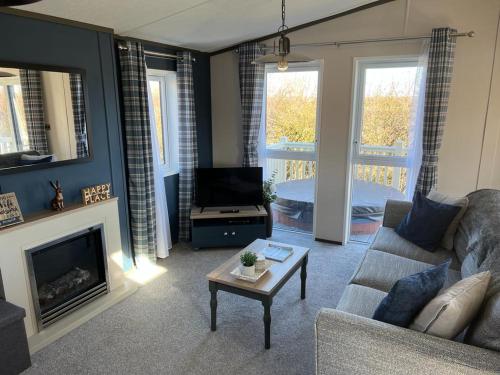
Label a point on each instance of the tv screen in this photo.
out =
(228, 187)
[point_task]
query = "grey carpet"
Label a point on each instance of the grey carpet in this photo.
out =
(164, 327)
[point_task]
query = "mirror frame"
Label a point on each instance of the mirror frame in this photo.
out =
(62, 69)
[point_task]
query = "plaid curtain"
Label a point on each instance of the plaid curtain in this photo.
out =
(437, 91)
(139, 151)
(31, 85)
(79, 117)
(188, 145)
(251, 93)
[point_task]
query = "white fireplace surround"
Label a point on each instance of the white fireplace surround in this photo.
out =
(45, 228)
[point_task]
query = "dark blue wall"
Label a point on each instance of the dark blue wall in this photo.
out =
(41, 42)
(201, 81)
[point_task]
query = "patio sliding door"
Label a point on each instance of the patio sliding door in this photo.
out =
(385, 150)
(288, 143)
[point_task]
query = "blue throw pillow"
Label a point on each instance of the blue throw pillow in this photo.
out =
(410, 295)
(427, 222)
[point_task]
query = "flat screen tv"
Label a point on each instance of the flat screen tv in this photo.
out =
(219, 187)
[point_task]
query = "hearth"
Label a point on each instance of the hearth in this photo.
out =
(67, 273)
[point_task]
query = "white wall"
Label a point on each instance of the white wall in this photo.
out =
(461, 155)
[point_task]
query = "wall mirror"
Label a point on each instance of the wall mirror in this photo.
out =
(43, 117)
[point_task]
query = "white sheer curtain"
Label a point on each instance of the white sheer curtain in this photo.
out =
(163, 237)
(416, 123)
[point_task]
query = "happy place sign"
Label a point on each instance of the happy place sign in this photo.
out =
(97, 193)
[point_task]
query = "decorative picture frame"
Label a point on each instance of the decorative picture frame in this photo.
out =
(10, 213)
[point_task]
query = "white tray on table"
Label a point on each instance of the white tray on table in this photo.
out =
(253, 279)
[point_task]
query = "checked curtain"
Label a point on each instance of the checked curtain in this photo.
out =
(188, 144)
(251, 93)
(139, 151)
(79, 117)
(437, 91)
(31, 85)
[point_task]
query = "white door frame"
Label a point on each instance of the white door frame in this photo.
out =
(316, 65)
(355, 118)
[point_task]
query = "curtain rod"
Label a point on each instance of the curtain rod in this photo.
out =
(469, 34)
(160, 55)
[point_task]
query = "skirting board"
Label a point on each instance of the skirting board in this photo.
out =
(80, 316)
(328, 241)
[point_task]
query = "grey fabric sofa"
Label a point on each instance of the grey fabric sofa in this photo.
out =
(348, 341)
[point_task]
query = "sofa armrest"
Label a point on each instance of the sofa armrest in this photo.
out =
(395, 211)
(350, 344)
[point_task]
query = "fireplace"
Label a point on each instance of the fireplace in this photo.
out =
(67, 273)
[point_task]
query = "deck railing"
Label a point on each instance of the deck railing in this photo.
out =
(377, 164)
(6, 145)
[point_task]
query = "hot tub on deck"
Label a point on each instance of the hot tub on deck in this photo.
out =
(294, 206)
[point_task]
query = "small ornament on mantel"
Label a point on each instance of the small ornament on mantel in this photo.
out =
(57, 203)
(10, 213)
(97, 193)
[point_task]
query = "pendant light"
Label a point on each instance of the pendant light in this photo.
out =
(4, 74)
(282, 56)
(11, 3)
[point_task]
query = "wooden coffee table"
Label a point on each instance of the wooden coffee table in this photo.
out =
(265, 289)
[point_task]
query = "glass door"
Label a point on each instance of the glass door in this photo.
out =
(288, 143)
(380, 160)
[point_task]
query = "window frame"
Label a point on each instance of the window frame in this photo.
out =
(361, 65)
(169, 114)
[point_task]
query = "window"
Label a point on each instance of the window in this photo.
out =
(162, 86)
(13, 130)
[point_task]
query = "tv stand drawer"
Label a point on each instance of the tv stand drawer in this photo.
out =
(238, 234)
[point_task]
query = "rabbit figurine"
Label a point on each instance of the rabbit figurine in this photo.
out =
(58, 202)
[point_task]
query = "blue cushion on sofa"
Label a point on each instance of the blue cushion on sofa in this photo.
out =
(410, 294)
(427, 222)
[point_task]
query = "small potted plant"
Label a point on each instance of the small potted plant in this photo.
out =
(269, 197)
(248, 260)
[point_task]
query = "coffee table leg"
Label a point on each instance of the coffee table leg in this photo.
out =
(213, 305)
(303, 277)
(267, 321)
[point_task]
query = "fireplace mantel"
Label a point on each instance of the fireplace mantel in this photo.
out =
(47, 226)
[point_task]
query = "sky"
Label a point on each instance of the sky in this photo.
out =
(381, 80)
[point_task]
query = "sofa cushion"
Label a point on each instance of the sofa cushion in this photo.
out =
(360, 300)
(381, 270)
(427, 222)
(410, 294)
(462, 202)
(387, 240)
(452, 311)
(485, 330)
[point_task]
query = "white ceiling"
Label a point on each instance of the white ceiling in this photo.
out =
(205, 25)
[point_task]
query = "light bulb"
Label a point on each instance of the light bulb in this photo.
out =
(282, 64)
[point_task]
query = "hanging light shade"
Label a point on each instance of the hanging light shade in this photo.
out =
(11, 3)
(282, 56)
(6, 74)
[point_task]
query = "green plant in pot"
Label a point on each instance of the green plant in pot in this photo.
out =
(248, 260)
(269, 196)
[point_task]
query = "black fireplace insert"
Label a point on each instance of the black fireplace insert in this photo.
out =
(67, 273)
